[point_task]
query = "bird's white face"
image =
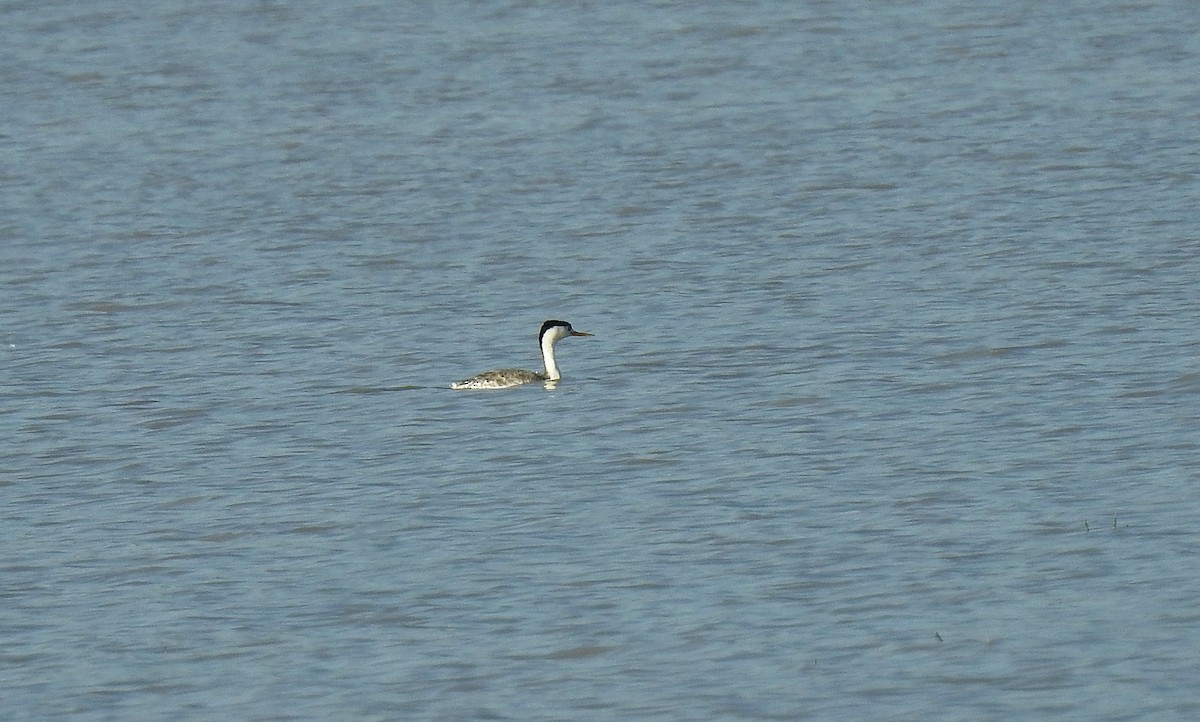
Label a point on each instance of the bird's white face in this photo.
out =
(558, 332)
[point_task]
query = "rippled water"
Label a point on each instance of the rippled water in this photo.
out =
(890, 413)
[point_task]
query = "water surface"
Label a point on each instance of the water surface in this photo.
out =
(890, 412)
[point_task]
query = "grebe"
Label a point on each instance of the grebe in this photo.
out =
(552, 332)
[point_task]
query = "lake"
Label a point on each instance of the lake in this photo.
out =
(890, 412)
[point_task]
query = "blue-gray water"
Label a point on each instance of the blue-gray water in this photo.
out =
(891, 412)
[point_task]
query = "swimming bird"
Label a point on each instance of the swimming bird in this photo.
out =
(552, 332)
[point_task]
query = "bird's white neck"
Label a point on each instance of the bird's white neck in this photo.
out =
(548, 357)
